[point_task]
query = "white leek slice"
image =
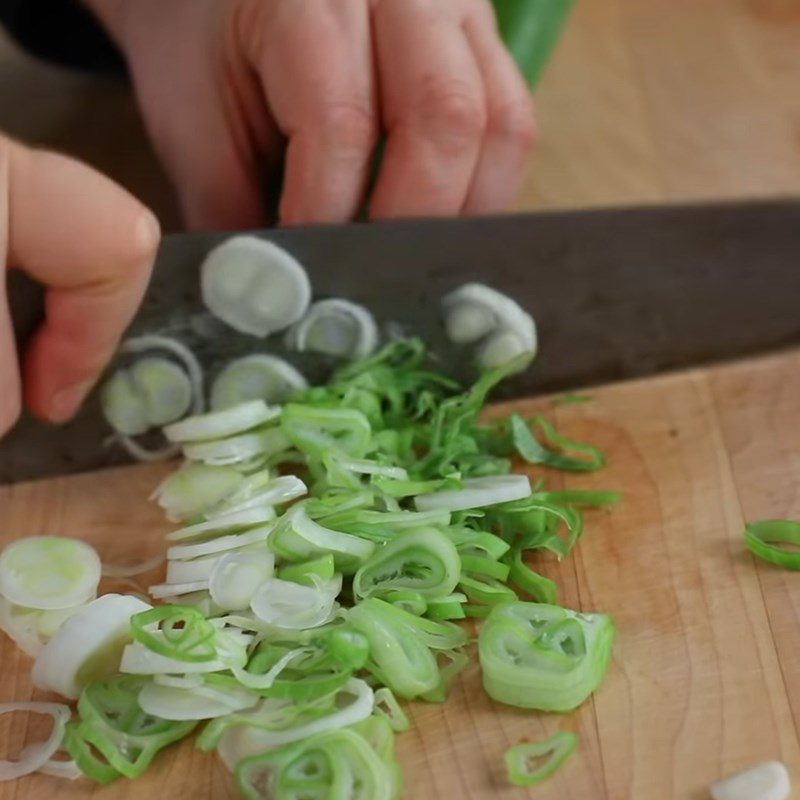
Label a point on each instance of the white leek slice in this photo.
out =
(179, 681)
(154, 391)
(476, 493)
(194, 488)
(246, 740)
(169, 702)
(35, 757)
(475, 311)
(265, 681)
(254, 286)
(219, 424)
(261, 489)
(256, 377)
(231, 652)
(87, 646)
(286, 604)
(190, 571)
(230, 523)
(21, 625)
(49, 572)
(335, 327)
(363, 466)
(767, 781)
(239, 449)
(132, 570)
(237, 576)
(163, 590)
(221, 545)
(58, 768)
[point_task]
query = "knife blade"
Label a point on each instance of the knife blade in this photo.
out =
(616, 294)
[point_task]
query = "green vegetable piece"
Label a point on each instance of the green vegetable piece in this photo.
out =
(535, 655)
(315, 431)
(89, 763)
(386, 705)
(534, 452)
(255, 377)
(422, 560)
(153, 392)
(763, 539)
(114, 725)
(531, 30)
(524, 761)
(401, 645)
(541, 589)
(178, 632)
(332, 764)
(322, 567)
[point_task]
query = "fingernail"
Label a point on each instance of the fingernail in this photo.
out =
(67, 401)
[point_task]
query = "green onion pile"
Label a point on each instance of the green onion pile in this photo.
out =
(329, 549)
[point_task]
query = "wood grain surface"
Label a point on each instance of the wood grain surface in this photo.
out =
(706, 673)
(644, 101)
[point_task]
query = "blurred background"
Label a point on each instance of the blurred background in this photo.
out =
(643, 101)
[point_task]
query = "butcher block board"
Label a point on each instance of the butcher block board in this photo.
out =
(705, 678)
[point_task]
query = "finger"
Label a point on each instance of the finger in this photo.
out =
(433, 109)
(318, 79)
(510, 129)
(9, 368)
(92, 246)
(206, 116)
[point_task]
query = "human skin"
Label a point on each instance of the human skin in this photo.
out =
(228, 87)
(91, 245)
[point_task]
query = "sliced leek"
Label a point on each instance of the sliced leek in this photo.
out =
(255, 377)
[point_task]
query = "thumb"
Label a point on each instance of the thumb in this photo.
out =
(91, 245)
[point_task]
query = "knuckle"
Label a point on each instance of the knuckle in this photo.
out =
(515, 124)
(350, 127)
(453, 108)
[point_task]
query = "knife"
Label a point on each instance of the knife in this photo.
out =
(616, 294)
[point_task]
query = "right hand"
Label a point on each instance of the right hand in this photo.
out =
(91, 245)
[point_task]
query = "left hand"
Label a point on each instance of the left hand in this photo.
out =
(227, 85)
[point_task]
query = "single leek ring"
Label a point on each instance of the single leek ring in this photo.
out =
(255, 377)
(254, 286)
(520, 757)
(113, 723)
(335, 327)
(541, 656)
(336, 764)
(423, 560)
(181, 633)
(764, 537)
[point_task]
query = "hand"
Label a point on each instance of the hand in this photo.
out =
(227, 85)
(91, 245)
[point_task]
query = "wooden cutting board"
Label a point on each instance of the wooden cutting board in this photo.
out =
(706, 672)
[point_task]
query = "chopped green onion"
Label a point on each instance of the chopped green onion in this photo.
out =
(178, 632)
(386, 705)
(113, 724)
(478, 492)
(337, 328)
(195, 488)
(154, 391)
(541, 656)
(49, 572)
(323, 567)
(764, 538)
(255, 377)
(423, 560)
(589, 460)
(571, 399)
(524, 761)
(317, 430)
(254, 286)
(337, 763)
(220, 424)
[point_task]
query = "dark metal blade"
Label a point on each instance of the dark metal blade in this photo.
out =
(616, 294)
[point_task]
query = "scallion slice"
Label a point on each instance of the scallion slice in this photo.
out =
(530, 763)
